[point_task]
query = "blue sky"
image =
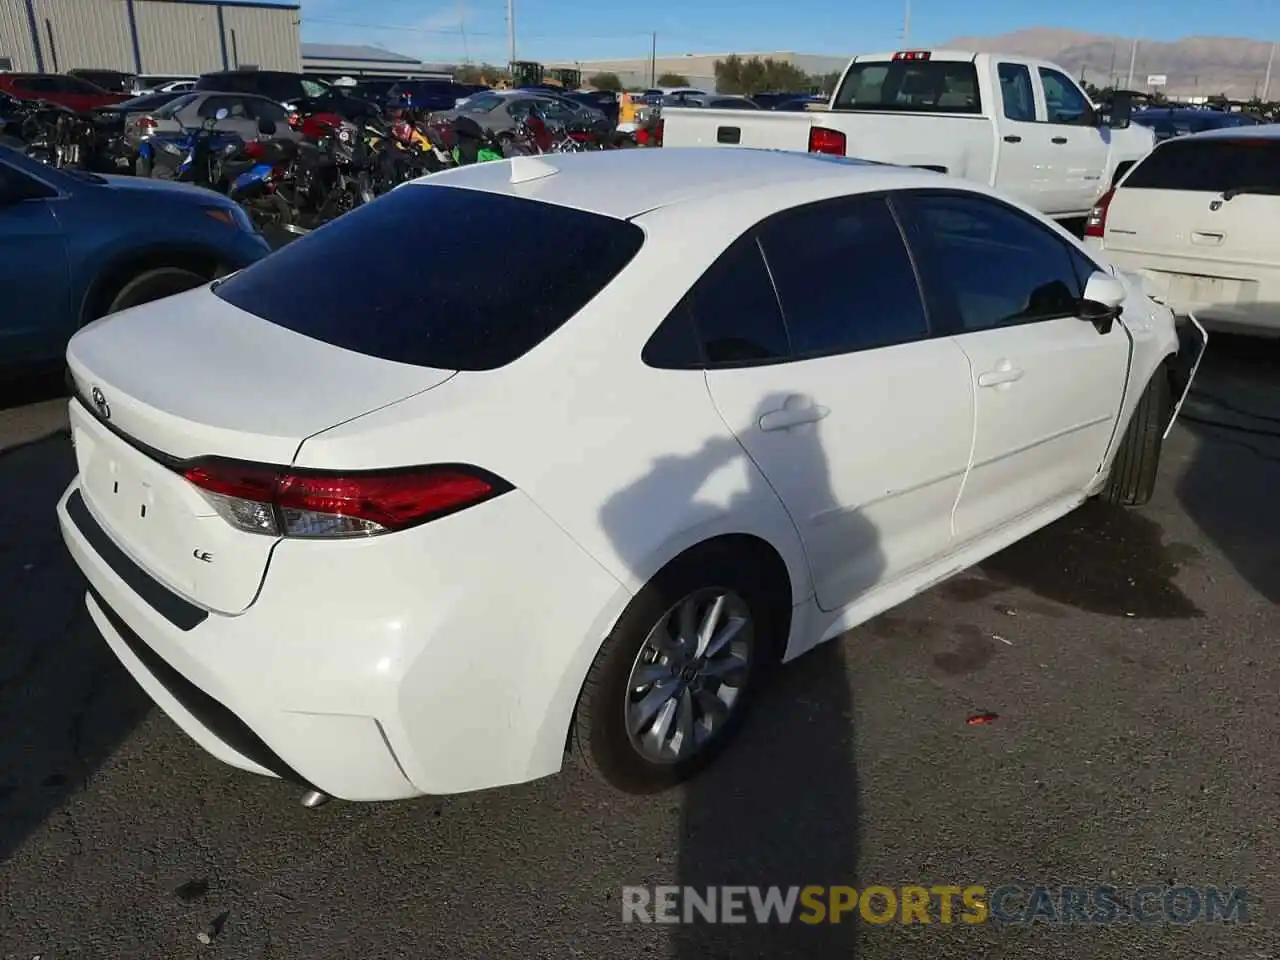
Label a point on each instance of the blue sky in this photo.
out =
(591, 29)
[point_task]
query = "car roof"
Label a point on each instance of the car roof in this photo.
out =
(1261, 131)
(626, 183)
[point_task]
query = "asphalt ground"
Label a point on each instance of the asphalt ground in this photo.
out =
(1129, 658)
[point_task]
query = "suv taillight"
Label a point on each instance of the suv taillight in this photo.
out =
(321, 504)
(826, 140)
(148, 123)
(1096, 224)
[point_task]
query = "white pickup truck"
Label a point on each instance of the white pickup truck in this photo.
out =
(1022, 126)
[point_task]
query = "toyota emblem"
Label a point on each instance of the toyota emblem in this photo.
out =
(100, 401)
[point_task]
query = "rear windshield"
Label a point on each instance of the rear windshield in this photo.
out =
(925, 86)
(1209, 166)
(438, 276)
(168, 110)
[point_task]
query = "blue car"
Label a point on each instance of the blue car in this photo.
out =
(78, 246)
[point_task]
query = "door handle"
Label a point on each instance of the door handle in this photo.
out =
(1206, 239)
(1058, 140)
(999, 376)
(1013, 138)
(785, 419)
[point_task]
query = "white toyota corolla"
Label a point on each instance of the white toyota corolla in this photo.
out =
(565, 453)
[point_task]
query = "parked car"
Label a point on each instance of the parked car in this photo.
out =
(65, 91)
(244, 111)
(278, 85)
(162, 83)
(400, 537)
(500, 112)
(1024, 125)
(711, 102)
(75, 246)
(771, 99)
(606, 101)
(1167, 122)
(1199, 221)
(429, 95)
(113, 81)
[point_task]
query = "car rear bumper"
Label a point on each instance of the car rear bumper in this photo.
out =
(1256, 313)
(371, 670)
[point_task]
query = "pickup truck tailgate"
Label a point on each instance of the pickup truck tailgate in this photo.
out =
(762, 129)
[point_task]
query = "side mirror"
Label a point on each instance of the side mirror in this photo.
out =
(222, 114)
(1120, 112)
(266, 127)
(1103, 301)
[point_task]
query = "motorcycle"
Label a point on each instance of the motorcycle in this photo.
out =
(194, 156)
(255, 173)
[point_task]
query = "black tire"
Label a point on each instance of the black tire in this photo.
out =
(154, 284)
(600, 721)
(1133, 472)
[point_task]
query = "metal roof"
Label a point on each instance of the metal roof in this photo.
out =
(355, 52)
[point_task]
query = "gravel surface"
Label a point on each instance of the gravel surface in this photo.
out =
(1129, 657)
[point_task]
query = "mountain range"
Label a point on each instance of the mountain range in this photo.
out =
(1192, 66)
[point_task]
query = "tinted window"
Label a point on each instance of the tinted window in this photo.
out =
(987, 263)
(728, 318)
(1210, 166)
(734, 104)
(150, 101)
(935, 86)
(37, 84)
(1017, 93)
(420, 282)
(170, 109)
(483, 103)
(844, 277)
(1065, 102)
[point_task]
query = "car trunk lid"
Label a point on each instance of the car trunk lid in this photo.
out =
(189, 377)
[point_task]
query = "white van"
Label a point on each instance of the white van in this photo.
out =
(1199, 221)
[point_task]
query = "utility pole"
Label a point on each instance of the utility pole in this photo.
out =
(653, 59)
(511, 30)
(1266, 80)
(1133, 59)
(906, 23)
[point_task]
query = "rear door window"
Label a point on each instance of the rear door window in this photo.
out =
(844, 277)
(439, 277)
(924, 86)
(1209, 165)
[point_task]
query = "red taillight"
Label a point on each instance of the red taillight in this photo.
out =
(1096, 224)
(826, 140)
(148, 123)
(282, 501)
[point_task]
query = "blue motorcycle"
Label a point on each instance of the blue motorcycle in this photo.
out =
(193, 156)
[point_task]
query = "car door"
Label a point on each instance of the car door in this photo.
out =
(1077, 148)
(863, 427)
(1048, 386)
(35, 285)
(1021, 170)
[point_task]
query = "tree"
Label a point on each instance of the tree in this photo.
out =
(605, 81)
(826, 83)
(673, 80)
(469, 73)
(735, 75)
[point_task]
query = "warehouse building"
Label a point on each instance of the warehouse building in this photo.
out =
(331, 60)
(149, 36)
(698, 68)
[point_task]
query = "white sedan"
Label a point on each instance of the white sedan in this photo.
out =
(387, 515)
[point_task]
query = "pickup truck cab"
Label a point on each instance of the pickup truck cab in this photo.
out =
(1022, 126)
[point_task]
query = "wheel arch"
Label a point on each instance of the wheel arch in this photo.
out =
(125, 265)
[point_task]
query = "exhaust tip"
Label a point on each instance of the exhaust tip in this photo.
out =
(313, 799)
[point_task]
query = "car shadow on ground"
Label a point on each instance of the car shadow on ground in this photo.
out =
(1230, 487)
(767, 814)
(65, 701)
